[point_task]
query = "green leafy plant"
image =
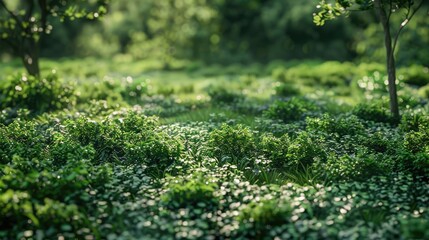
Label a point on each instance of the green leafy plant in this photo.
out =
(131, 139)
(373, 112)
(276, 149)
(196, 190)
(291, 110)
(24, 23)
(37, 95)
(286, 90)
(341, 125)
(257, 218)
(222, 95)
(383, 9)
(236, 142)
(303, 151)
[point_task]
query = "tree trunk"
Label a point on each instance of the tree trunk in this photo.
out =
(390, 60)
(30, 56)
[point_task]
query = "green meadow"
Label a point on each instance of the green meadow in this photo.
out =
(128, 150)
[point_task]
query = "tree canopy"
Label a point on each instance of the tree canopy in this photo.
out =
(384, 9)
(23, 23)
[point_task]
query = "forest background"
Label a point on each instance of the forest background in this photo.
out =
(225, 32)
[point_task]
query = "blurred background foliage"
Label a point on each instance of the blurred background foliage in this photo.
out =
(225, 31)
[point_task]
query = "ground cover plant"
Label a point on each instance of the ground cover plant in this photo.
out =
(281, 152)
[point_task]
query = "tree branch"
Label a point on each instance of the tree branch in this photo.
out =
(382, 14)
(410, 14)
(13, 15)
(44, 13)
(390, 10)
(30, 10)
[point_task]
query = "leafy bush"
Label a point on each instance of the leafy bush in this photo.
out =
(106, 89)
(415, 228)
(329, 74)
(133, 89)
(373, 112)
(131, 139)
(257, 218)
(222, 95)
(291, 110)
(413, 121)
(8, 115)
(286, 90)
(46, 199)
(64, 150)
(22, 215)
(424, 91)
(303, 151)
(165, 91)
(235, 142)
(416, 157)
(415, 75)
(380, 143)
(22, 139)
(355, 167)
(341, 126)
(417, 141)
(38, 95)
(193, 191)
(276, 149)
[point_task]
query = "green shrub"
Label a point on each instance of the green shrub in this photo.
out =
(132, 139)
(373, 112)
(222, 95)
(23, 217)
(379, 143)
(48, 200)
(22, 139)
(415, 75)
(413, 157)
(258, 218)
(303, 151)
(342, 125)
(165, 91)
(329, 74)
(276, 149)
(134, 89)
(279, 73)
(235, 142)
(187, 88)
(413, 121)
(292, 110)
(286, 90)
(415, 228)
(64, 150)
(38, 95)
(360, 166)
(106, 89)
(424, 91)
(194, 191)
(417, 141)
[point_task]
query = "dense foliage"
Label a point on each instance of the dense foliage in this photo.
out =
(24, 23)
(227, 155)
(219, 31)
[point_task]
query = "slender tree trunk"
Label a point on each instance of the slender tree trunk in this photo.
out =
(390, 60)
(30, 56)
